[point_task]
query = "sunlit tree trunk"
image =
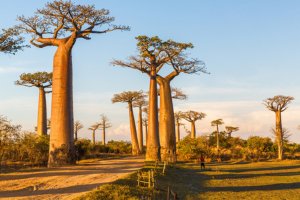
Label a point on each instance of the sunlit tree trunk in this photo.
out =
(193, 130)
(134, 140)
(177, 132)
(166, 122)
(153, 147)
(61, 139)
(218, 143)
(140, 129)
(279, 135)
(42, 113)
(103, 136)
(94, 137)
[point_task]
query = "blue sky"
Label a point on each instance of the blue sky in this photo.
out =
(251, 49)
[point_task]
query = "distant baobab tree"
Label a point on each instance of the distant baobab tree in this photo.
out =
(130, 97)
(192, 117)
(93, 128)
(178, 116)
(11, 41)
(77, 126)
(230, 130)
(154, 54)
(217, 123)
(104, 124)
(60, 24)
(41, 80)
(140, 104)
(278, 104)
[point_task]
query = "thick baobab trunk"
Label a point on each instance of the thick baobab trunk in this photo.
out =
(42, 113)
(103, 136)
(140, 129)
(177, 132)
(193, 130)
(134, 140)
(61, 149)
(166, 122)
(94, 137)
(153, 147)
(279, 135)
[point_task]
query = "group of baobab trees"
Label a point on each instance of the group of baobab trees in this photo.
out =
(60, 24)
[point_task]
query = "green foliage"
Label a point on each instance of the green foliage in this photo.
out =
(189, 148)
(38, 79)
(11, 41)
(85, 149)
(260, 147)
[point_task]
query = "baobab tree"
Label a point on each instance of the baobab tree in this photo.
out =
(230, 130)
(41, 80)
(60, 23)
(11, 41)
(93, 128)
(217, 123)
(278, 104)
(178, 116)
(154, 54)
(140, 103)
(130, 97)
(192, 117)
(77, 126)
(104, 124)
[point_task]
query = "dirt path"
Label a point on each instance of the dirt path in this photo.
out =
(67, 182)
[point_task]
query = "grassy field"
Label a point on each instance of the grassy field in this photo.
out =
(261, 180)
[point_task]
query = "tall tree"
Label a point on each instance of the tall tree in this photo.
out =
(140, 103)
(130, 97)
(178, 116)
(77, 126)
(153, 55)
(230, 130)
(11, 41)
(41, 80)
(217, 123)
(60, 23)
(278, 104)
(104, 124)
(192, 117)
(93, 128)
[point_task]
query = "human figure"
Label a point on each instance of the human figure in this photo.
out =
(202, 161)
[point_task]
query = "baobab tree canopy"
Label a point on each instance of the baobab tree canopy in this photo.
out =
(278, 103)
(154, 51)
(38, 79)
(11, 41)
(192, 116)
(60, 18)
(217, 122)
(127, 96)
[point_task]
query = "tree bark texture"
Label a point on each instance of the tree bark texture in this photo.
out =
(103, 136)
(42, 113)
(94, 137)
(134, 140)
(166, 122)
(62, 139)
(177, 132)
(279, 135)
(153, 146)
(193, 130)
(140, 129)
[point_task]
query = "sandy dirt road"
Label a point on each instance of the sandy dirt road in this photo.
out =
(66, 182)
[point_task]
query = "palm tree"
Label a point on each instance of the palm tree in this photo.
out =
(41, 80)
(278, 104)
(192, 117)
(130, 97)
